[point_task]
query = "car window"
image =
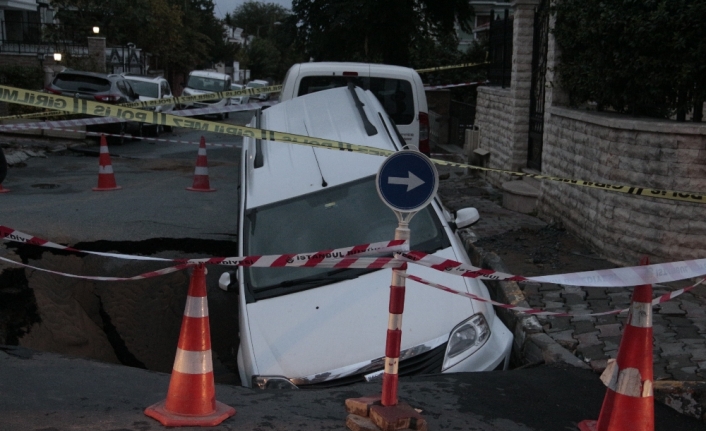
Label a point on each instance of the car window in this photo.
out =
(206, 84)
(147, 89)
(347, 215)
(255, 85)
(166, 91)
(395, 95)
(72, 82)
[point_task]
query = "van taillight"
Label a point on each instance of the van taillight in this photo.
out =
(110, 98)
(424, 133)
(51, 90)
(350, 73)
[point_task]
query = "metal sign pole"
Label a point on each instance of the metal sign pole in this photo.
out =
(406, 182)
(394, 322)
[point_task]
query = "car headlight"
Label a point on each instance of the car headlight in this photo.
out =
(466, 338)
(272, 382)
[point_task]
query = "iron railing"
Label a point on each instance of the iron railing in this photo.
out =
(500, 40)
(29, 37)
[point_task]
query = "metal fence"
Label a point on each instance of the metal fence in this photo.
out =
(30, 37)
(500, 41)
(461, 117)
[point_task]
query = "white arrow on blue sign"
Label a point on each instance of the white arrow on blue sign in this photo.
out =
(407, 181)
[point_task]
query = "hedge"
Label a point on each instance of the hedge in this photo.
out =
(642, 57)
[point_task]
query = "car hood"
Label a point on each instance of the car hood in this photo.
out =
(319, 332)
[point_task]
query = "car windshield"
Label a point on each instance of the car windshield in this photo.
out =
(206, 84)
(91, 84)
(255, 85)
(395, 95)
(147, 89)
(347, 215)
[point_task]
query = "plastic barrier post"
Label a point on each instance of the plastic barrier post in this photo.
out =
(191, 398)
(629, 399)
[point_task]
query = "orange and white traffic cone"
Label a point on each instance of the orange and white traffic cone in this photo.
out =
(629, 399)
(191, 398)
(106, 177)
(3, 190)
(201, 183)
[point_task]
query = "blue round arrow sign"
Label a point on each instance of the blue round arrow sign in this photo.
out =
(407, 181)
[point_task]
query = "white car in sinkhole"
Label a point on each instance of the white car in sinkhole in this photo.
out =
(322, 327)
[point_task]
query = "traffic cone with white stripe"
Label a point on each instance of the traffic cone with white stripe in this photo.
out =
(629, 399)
(191, 398)
(201, 183)
(106, 177)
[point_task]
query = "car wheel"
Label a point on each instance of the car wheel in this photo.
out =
(226, 115)
(168, 129)
(140, 130)
(3, 166)
(119, 129)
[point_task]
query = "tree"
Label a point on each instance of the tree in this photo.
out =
(273, 49)
(183, 33)
(374, 31)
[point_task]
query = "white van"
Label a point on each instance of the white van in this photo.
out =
(207, 81)
(319, 327)
(399, 89)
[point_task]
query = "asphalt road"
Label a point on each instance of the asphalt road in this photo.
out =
(49, 194)
(43, 391)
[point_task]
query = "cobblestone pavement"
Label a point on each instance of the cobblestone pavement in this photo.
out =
(679, 326)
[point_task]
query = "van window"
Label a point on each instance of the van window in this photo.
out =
(71, 82)
(395, 95)
(207, 84)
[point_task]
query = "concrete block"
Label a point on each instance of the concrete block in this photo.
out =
(397, 417)
(361, 406)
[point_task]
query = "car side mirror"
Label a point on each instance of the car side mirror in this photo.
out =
(227, 279)
(466, 217)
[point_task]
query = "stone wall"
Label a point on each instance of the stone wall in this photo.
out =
(503, 114)
(621, 150)
(493, 116)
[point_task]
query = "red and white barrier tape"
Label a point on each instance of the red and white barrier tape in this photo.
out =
(150, 274)
(345, 257)
(105, 120)
(462, 84)
(617, 277)
(539, 312)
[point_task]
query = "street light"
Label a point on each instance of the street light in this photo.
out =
(96, 30)
(57, 56)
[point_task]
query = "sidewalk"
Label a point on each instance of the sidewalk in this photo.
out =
(679, 325)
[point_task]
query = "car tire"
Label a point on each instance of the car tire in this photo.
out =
(3, 166)
(226, 115)
(119, 129)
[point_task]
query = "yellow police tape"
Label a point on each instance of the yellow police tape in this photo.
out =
(81, 106)
(167, 101)
(457, 66)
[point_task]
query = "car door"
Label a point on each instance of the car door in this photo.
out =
(166, 93)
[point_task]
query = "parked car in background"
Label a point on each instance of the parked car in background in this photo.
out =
(321, 327)
(258, 83)
(399, 89)
(151, 88)
(240, 100)
(207, 81)
(113, 89)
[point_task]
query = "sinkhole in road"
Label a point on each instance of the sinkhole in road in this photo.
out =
(134, 323)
